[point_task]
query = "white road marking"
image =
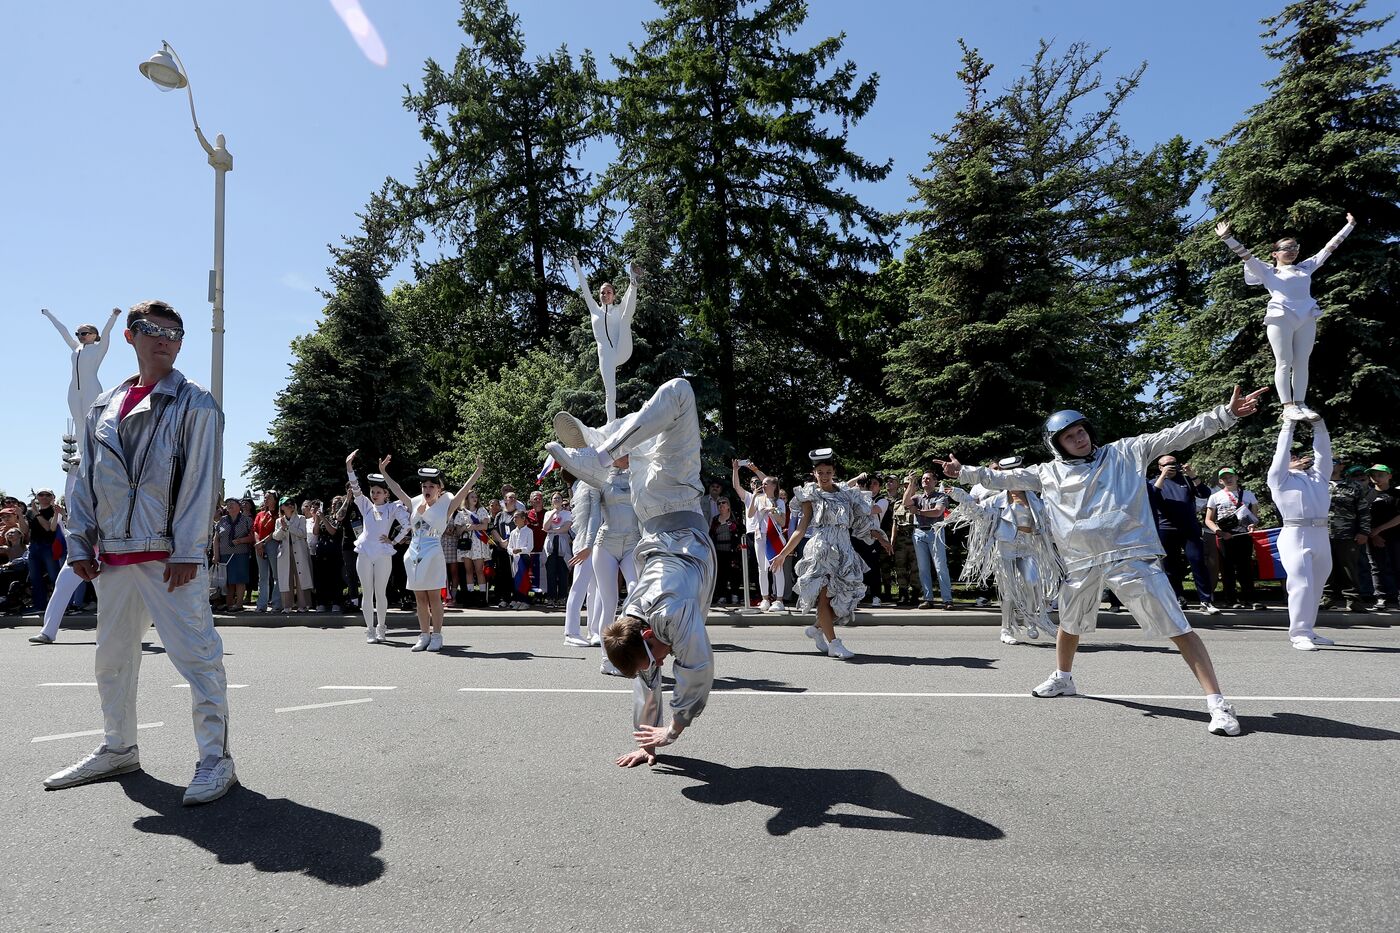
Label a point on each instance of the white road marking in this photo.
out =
(75, 683)
(78, 735)
(293, 709)
(339, 687)
(1024, 695)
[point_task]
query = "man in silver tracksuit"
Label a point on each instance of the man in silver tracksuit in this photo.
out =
(138, 526)
(664, 615)
(1102, 524)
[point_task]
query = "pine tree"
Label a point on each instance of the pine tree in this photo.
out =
(746, 140)
(1015, 284)
(1325, 141)
(501, 190)
(352, 383)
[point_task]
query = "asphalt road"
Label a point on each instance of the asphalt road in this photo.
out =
(917, 788)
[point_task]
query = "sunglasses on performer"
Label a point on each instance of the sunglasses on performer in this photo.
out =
(85, 333)
(151, 329)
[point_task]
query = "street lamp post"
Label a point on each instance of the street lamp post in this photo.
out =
(167, 72)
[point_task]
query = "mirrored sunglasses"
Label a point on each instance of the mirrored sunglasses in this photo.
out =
(151, 329)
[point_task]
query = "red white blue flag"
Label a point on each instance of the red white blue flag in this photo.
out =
(549, 467)
(522, 573)
(1266, 554)
(773, 538)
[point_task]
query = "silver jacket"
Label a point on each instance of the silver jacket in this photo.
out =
(588, 517)
(618, 531)
(148, 481)
(1097, 507)
(663, 438)
(673, 594)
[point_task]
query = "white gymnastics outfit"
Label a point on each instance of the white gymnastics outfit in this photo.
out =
(83, 385)
(587, 520)
(1291, 317)
(374, 558)
(612, 332)
(424, 563)
(1303, 498)
(614, 544)
(828, 558)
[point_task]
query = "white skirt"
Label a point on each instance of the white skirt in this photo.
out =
(425, 571)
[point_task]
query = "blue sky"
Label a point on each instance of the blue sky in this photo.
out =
(109, 200)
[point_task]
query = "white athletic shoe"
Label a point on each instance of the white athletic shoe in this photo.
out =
(576, 641)
(1303, 643)
(1007, 638)
(382, 631)
(435, 642)
(816, 635)
(839, 651)
(1055, 686)
(40, 639)
(1223, 721)
(371, 637)
(422, 643)
(595, 640)
(98, 765)
(609, 668)
(1294, 413)
(875, 603)
(1322, 640)
(765, 605)
(777, 607)
(213, 777)
(1307, 413)
(1210, 609)
(569, 430)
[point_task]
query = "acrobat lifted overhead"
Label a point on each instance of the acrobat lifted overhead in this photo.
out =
(612, 329)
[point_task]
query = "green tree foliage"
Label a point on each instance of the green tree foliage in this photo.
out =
(745, 141)
(500, 190)
(1016, 284)
(352, 381)
(1325, 141)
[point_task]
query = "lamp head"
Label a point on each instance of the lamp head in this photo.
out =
(162, 70)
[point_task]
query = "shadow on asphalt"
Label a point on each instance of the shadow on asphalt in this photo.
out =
(1300, 724)
(757, 683)
(272, 835)
(1118, 646)
(897, 660)
(803, 797)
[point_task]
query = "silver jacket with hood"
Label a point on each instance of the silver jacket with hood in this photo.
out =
(147, 481)
(1098, 507)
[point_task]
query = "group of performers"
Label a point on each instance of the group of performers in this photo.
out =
(1058, 532)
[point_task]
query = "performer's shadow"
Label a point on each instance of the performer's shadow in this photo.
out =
(1318, 727)
(803, 797)
(896, 660)
(754, 683)
(272, 835)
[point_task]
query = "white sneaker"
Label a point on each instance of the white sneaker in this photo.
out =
(1294, 413)
(1307, 413)
(370, 637)
(101, 763)
(576, 641)
(1223, 721)
(213, 777)
(595, 640)
(609, 668)
(875, 603)
(765, 605)
(1007, 638)
(382, 631)
(1055, 686)
(816, 635)
(837, 650)
(1303, 643)
(422, 643)
(1322, 640)
(40, 639)
(1210, 609)
(569, 430)
(777, 607)
(435, 642)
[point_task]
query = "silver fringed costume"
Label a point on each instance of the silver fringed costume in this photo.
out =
(1101, 522)
(676, 554)
(828, 559)
(997, 546)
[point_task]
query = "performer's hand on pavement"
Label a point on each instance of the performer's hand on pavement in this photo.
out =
(1240, 406)
(177, 575)
(86, 569)
(641, 756)
(653, 736)
(580, 556)
(1222, 229)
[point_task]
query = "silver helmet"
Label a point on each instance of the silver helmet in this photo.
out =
(1059, 422)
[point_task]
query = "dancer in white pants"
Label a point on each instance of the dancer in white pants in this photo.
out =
(1291, 319)
(374, 548)
(612, 329)
(614, 546)
(68, 580)
(1302, 495)
(588, 518)
(763, 507)
(665, 613)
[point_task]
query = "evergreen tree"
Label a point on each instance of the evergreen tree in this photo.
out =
(352, 382)
(1016, 293)
(746, 142)
(1325, 141)
(501, 190)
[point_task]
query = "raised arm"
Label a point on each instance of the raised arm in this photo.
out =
(583, 290)
(1256, 272)
(1146, 448)
(111, 321)
(404, 498)
(1326, 252)
(629, 298)
(1278, 469)
(460, 499)
(62, 331)
(1322, 451)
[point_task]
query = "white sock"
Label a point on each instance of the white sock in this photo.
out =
(1214, 699)
(1066, 675)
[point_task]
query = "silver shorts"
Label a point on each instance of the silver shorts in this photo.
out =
(1143, 587)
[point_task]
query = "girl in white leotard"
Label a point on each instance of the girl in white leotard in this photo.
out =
(88, 350)
(1291, 318)
(374, 548)
(612, 329)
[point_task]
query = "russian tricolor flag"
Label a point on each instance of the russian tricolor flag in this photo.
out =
(549, 467)
(522, 573)
(1266, 554)
(773, 538)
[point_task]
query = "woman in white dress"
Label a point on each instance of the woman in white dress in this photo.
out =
(477, 548)
(830, 575)
(612, 329)
(1291, 319)
(293, 557)
(424, 564)
(88, 348)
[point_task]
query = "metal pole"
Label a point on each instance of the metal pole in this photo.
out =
(222, 162)
(744, 559)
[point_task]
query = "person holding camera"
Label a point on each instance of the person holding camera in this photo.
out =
(1173, 495)
(1231, 514)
